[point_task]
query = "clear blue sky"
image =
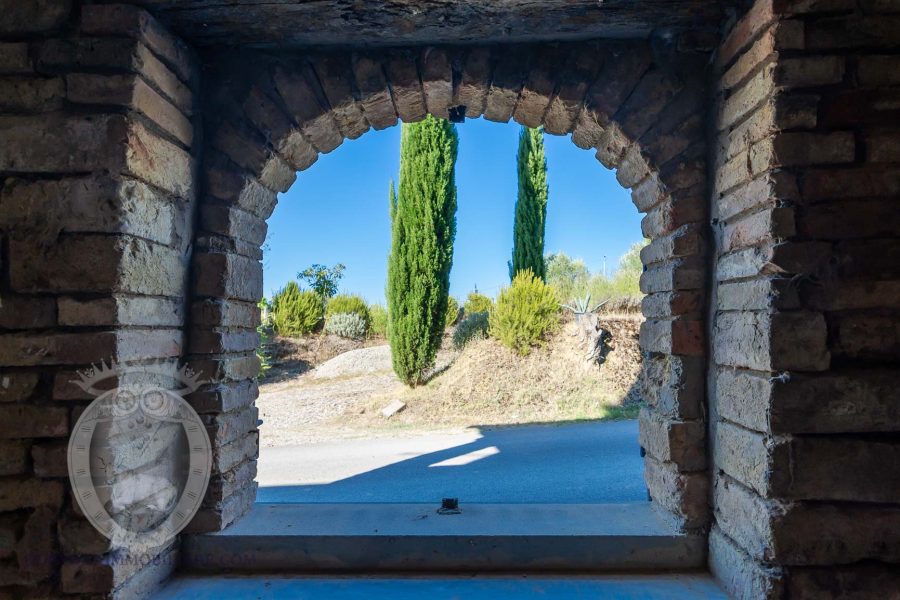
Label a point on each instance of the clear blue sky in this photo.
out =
(337, 211)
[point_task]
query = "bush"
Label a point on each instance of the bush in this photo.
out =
(452, 311)
(476, 303)
(378, 320)
(525, 311)
(296, 312)
(348, 325)
(473, 327)
(346, 303)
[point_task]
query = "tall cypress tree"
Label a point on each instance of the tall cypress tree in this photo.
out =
(531, 205)
(423, 226)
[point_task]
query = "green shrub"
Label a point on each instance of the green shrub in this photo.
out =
(347, 303)
(476, 303)
(525, 311)
(452, 311)
(378, 321)
(474, 326)
(348, 325)
(296, 312)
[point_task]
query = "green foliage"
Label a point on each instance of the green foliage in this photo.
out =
(525, 311)
(264, 330)
(296, 312)
(571, 278)
(378, 324)
(348, 325)
(453, 311)
(423, 226)
(476, 302)
(348, 303)
(531, 205)
(322, 280)
(474, 326)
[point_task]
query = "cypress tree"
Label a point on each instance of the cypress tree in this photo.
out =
(423, 226)
(531, 205)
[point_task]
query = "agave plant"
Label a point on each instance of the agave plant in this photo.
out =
(593, 336)
(582, 306)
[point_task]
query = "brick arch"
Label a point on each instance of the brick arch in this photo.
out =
(267, 117)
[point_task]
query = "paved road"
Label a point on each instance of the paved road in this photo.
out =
(575, 463)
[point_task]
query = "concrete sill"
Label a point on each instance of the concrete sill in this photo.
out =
(320, 538)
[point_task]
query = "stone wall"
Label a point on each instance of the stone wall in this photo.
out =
(806, 343)
(97, 167)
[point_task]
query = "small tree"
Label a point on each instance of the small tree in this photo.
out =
(423, 215)
(531, 205)
(524, 313)
(476, 303)
(296, 312)
(322, 280)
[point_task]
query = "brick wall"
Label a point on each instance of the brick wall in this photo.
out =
(804, 370)
(97, 168)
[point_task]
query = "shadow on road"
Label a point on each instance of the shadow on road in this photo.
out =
(586, 462)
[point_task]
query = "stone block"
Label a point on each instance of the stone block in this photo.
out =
(759, 462)
(224, 513)
(121, 310)
(232, 222)
(119, 19)
(16, 494)
(879, 70)
(40, 16)
(27, 312)
(437, 81)
(792, 341)
(225, 182)
(758, 294)
(20, 94)
(46, 208)
(781, 259)
(738, 574)
(227, 276)
(678, 442)
(228, 456)
(681, 274)
(403, 76)
(224, 397)
(97, 263)
(673, 213)
(770, 225)
(225, 313)
(224, 485)
(681, 335)
(49, 459)
(159, 162)
(766, 190)
(133, 92)
(673, 386)
(21, 421)
(852, 182)
(795, 149)
(537, 90)
(509, 76)
(16, 386)
(228, 427)
(14, 59)
(222, 340)
(13, 457)
(334, 74)
(234, 368)
(475, 81)
(36, 548)
(853, 582)
(684, 495)
(883, 147)
(864, 336)
(665, 305)
(301, 100)
(61, 144)
(375, 96)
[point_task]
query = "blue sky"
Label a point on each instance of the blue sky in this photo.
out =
(337, 211)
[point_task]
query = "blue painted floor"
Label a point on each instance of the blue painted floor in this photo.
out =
(594, 462)
(624, 587)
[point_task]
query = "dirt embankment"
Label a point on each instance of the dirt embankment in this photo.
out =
(485, 384)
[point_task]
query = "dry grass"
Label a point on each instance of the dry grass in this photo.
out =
(488, 384)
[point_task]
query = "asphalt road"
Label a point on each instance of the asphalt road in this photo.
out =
(573, 463)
